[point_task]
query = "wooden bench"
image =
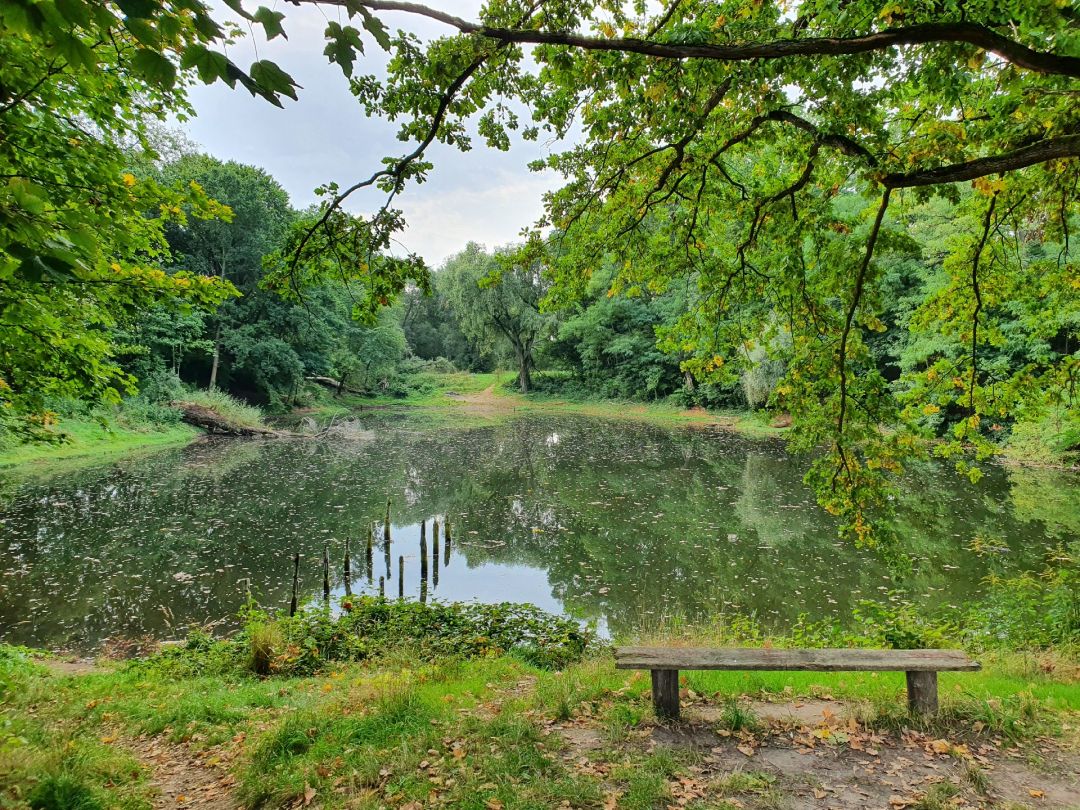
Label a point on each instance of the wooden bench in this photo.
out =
(921, 666)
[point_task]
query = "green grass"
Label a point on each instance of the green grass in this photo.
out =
(89, 439)
(227, 407)
(397, 730)
(444, 399)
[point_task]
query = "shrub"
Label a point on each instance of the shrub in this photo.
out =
(368, 626)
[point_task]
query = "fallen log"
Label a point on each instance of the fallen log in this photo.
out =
(214, 423)
(335, 385)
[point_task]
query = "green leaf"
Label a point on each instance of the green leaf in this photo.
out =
(143, 31)
(374, 26)
(74, 11)
(154, 67)
(344, 43)
(238, 7)
(76, 52)
(272, 80)
(139, 8)
(271, 22)
(210, 65)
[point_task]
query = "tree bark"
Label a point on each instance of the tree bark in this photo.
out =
(217, 355)
(524, 361)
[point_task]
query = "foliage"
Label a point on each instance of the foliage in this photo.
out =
(370, 627)
(764, 159)
(495, 300)
(81, 236)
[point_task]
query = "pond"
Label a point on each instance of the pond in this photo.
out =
(618, 523)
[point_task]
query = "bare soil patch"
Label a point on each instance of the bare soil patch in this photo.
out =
(183, 778)
(816, 754)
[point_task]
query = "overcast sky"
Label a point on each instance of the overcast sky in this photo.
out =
(483, 195)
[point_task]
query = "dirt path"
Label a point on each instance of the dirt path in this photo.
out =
(814, 754)
(183, 778)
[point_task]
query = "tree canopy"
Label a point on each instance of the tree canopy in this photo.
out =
(764, 157)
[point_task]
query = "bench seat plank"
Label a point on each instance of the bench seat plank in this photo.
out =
(817, 660)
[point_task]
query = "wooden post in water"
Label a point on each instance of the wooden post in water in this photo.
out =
(369, 557)
(423, 562)
(346, 569)
(401, 577)
(382, 588)
(435, 553)
(295, 583)
(446, 545)
(325, 574)
(386, 525)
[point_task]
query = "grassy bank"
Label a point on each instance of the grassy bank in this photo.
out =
(404, 706)
(91, 439)
(88, 434)
(463, 397)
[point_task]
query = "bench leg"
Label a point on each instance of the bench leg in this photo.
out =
(665, 693)
(922, 692)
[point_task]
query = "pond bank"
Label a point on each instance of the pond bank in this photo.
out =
(402, 722)
(482, 398)
(91, 440)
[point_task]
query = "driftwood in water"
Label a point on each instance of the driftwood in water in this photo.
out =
(214, 423)
(423, 563)
(435, 553)
(325, 574)
(368, 558)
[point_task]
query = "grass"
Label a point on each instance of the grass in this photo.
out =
(463, 398)
(90, 439)
(227, 407)
(406, 732)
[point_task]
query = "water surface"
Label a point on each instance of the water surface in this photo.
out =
(614, 522)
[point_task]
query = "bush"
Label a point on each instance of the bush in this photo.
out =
(369, 627)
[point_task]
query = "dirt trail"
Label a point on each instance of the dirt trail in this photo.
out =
(816, 755)
(183, 778)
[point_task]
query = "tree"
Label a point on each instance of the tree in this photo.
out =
(81, 235)
(495, 300)
(231, 250)
(717, 138)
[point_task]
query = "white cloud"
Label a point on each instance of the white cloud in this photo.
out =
(482, 195)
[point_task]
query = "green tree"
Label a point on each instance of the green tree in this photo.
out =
(494, 300)
(232, 250)
(717, 137)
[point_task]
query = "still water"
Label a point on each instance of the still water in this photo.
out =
(613, 522)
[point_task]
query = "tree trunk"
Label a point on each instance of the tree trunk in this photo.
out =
(217, 355)
(524, 380)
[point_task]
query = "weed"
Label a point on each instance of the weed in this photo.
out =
(938, 797)
(737, 717)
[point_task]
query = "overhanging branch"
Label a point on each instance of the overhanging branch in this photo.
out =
(970, 33)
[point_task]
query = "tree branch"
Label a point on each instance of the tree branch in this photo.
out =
(1066, 146)
(849, 320)
(975, 34)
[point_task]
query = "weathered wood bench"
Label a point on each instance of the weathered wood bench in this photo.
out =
(921, 666)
